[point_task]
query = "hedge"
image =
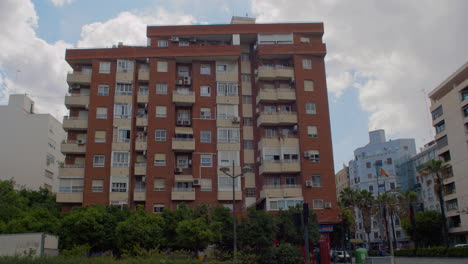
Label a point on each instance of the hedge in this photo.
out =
(433, 252)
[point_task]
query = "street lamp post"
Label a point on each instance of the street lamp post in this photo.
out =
(233, 176)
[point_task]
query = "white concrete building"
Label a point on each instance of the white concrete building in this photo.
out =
(449, 108)
(29, 145)
(388, 155)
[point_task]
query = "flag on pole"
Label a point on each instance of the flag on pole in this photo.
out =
(383, 172)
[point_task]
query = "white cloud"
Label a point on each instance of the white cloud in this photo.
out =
(388, 50)
(60, 2)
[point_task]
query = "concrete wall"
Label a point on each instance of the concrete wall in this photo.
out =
(39, 244)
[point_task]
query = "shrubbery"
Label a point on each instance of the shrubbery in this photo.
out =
(433, 252)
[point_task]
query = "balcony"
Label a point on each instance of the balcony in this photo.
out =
(75, 170)
(73, 147)
(183, 194)
(141, 144)
(79, 78)
(275, 73)
(291, 166)
(140, 168)
(277, 142)
(69, 197)
(142, 121)
(227, 195)
(77, 100)
(183, 144)
(276, 95)
(277, 118)
(124, 76)
(183, 98)
(75, 123)
(142, 98)
(139, 195)
(143, 75)
(281, 191)
(221, 99)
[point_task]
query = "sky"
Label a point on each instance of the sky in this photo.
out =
(383, 57)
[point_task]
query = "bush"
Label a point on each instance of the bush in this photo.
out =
(287, 254)
(405, 253)
(458, 252)
(431, 252)
(77, 251)
(373, 253)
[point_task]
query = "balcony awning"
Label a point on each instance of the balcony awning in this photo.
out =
(183, 178)
(256, 203)
(184, 130)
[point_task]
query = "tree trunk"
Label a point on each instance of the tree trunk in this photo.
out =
(413, 224)
(442, 210)
(393, 229)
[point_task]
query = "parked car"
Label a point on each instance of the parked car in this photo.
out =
(340, 255)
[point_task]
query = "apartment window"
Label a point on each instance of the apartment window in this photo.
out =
(103, 90)
(464, 94)
(221, 68)
(318, 204)
(371, 188)
(67, 185)
(316, 181)
(206, 160)
(161, 88)
(392, 186)
(248, 144)
(160, 135)
(247, 121)
(310, 109)
(438, 112)
(101, 113)
(163, 43)
(314, 155)
(122, 110)
(97, 186)
(205, 185)
(158, 208)
(312, 131)
(271, 132)
(291, 180)
(227, 111)
(270, 109)
(143, 90)
(160, 159)
(225, 183)
(205, 136)
(247, 99)
(161, 111)
(225, 158)
(184, 44)
(100, 136)
(465, 111)
(159, 185)
(306, 64)
(124, 66)
(308, 85)
(205, 69)
(123, 89)
(162, 66)
(376, 234)
(228, 135)
(205, 91)
(440, 126)
(183, 71)
(389, 161)
(368, 165)
(245, 77)
(120, 159)
(123, 135)
(104, 67)
(245, 57)
(250, 192)
(227, 89)
(98, 161)
(305, 40)
(452, 205)
(119, 184)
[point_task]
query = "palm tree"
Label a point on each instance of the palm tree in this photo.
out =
(438, 168)
(349, 198)
(407, 198)
(389, 200)
(364, 203)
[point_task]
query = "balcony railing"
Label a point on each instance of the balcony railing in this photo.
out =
(73, 166)
(140, 164)
(176, 189)
(75, 118)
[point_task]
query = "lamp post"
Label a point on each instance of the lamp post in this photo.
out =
(233, 176)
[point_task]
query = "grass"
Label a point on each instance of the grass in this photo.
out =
(99, 260)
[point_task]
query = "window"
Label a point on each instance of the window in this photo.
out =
(271, 132)
(465, 111)
(160, 159)
(291, 181)
(205, 69)
(228, 135)
(162, 66)
(245, 57)
(205, 136)
(184, 44)
(143, 90)
(464, 94)
(161, 88)
(312, 131)
(306, 64)
(160, 135)
(182, 161)
(161, 111)
(206, 160)
(221, 68)
(97, 186)
(159, 185)
(371, 188)
(440, 126)
(250, 192)
(368, 165)
(120, 159)
(104, 67)
(103, 90)
(123, 89)
(248, 144)
(316, 181)
(247, 99)
(163, 43)
(452, 205)
(227, 111)
(314, 155)
(305, 40)
(227, 89)
(67, 185)
(438, 112)
(317, 204)
(376, 234)
(225, 183)
(119, 183)
(124, 66)
(310, 108)
(158, 208)
(225, 158)
(389, 161)
(308, 85)
(378, 163)
(122, 110)
(183, 71)
(270, 109)
(397, 221)
(247, 121)
(245, 77)
(205, 91)
(123, 135)
(98, 161)
(392, 186)
(100, 136)
(101, 113)
(205, 185)
(205, 113)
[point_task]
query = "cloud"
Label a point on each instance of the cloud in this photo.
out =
(388, 50)
(60, 2)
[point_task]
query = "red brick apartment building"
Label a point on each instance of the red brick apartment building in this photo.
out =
(153, 125)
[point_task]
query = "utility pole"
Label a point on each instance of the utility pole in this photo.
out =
(305, 217)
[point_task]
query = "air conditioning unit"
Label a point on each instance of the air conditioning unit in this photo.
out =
(180, 122)
(186, 122)
(196, 182)
(328, 205)
(187, 80)
(179, 82)
(81, 141)
(235, 120)
(174, 39)
(308, 183)
(178, 170)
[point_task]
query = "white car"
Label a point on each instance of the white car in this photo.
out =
(340, 255)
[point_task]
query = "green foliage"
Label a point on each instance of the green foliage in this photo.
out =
(427, 220)
(287, 254)
(458, 252)
(194, 234)
(289, 226)
(77, 251)
(256, 232)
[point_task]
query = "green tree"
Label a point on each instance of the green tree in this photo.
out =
(172, 219)
(194, 234)
(364, 203)
(34, 220)
(290, 227)
(349, 200)
(256, 232)
(287, 254)
(223, 217)
(428, 227)
(11, 202)
(406, 209)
